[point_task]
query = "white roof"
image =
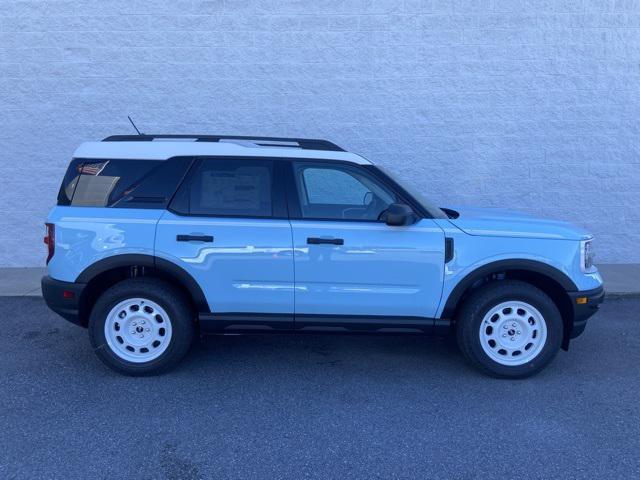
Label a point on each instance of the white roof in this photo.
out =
(162, 150)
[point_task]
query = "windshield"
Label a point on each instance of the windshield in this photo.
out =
(434, 211)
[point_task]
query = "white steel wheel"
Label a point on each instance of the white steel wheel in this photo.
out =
(513, 333)
(138, 330)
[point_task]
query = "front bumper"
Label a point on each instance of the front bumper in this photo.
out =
(63, 298)
(589, 300)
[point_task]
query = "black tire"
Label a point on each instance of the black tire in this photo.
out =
(168, 298)
(471, 315)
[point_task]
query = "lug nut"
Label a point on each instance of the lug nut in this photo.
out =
(504, 334)
(149, 330)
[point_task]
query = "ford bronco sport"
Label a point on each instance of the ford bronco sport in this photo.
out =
(156, 238)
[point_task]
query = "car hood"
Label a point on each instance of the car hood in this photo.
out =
(496, 222)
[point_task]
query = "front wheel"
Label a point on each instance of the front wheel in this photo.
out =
(141, 326)
(509, 329)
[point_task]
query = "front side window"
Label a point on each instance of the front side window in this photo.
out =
(228, 187)
(340, 192)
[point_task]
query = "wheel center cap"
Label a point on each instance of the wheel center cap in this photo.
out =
(139, 329)
(511, 332)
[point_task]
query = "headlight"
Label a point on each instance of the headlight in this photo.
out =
(587, 255)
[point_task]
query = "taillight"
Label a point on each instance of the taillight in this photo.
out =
(50, 240)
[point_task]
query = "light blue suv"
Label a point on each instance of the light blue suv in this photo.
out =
(156, 238)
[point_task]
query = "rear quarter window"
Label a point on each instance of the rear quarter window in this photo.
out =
(121, 183)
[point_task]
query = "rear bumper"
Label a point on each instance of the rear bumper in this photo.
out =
(583, 311)
(63, 298)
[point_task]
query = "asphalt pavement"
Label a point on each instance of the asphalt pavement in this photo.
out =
(313, 406)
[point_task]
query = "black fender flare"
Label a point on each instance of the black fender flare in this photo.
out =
(500, 266)
(159, 264)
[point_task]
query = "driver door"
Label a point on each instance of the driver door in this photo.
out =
(349, 265)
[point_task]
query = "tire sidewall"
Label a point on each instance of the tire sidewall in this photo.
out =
(550, 314)
(172, 305)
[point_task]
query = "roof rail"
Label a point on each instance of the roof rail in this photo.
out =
(304, 143)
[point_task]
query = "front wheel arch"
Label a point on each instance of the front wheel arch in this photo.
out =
(547, 278)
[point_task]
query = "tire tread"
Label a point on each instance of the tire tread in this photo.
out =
(170, 298)
(475, 305)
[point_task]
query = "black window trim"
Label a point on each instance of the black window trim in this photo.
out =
(402, 193)
(278, 200)
(66, 201)
(293, 200)
(161, 205)
(166, 200)
(284, 191)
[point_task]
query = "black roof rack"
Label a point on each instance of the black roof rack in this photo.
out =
(304, 143)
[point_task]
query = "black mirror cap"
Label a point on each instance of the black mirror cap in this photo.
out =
(399, 215)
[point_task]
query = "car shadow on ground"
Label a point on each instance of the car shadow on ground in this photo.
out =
(273, 354)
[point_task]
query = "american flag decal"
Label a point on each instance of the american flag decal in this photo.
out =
(92, 168)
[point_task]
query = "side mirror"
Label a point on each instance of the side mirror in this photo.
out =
(399, 215)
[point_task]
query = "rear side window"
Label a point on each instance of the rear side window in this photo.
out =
(121, 183)
(228, 188)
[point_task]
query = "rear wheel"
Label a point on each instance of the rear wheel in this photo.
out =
(509, 329)
(141, 326)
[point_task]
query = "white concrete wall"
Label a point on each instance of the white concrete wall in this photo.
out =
(528, 104)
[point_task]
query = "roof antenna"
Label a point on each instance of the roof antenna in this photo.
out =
(134, 125)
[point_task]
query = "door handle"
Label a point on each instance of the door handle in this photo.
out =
(331, 241)
(194, 238)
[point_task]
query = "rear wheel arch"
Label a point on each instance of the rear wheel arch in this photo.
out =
(105, 273)
(547, 278)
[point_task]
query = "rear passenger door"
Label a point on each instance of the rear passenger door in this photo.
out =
(227, 226)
